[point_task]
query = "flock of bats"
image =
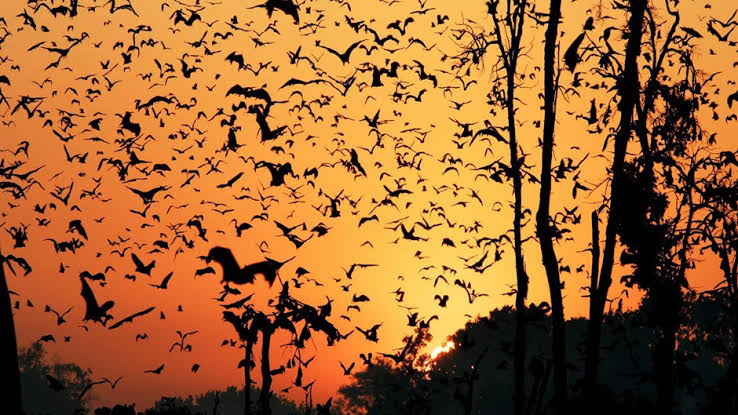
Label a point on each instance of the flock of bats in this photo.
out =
(327, 139)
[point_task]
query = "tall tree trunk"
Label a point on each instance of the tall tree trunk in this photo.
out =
(668, 311)
(247, 376)
(266, 377)
(10, 393)
(543, 219)
(664, 352)
(514, 21)
(628, 90)
(521, 345)
(520, 274)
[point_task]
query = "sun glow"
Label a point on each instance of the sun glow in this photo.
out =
(441, 349)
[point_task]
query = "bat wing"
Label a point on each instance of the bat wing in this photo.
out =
(137, 261)
(265, 268)
(203, 271)
(130, 318)
(237, 90)
(89, 298)
(166, 279)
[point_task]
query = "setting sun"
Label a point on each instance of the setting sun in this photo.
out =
(441, 349)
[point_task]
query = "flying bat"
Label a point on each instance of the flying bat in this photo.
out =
(130, 318)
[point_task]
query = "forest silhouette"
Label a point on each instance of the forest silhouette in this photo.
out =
(279, 207)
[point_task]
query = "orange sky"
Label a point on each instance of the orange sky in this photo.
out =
(411, 127)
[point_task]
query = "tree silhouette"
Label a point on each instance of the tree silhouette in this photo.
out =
(451, 382)
(658, 217)
(395, 382)
(544, 226)
(11, 394)
(508, 23)
(717, 229)
(288, 312)
(628, 89)
(40, 395)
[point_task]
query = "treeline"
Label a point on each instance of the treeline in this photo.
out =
(72, 394)
(229, 401)
(476, 375)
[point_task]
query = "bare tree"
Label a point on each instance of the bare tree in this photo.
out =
(288, 312)
(508, 21)
(266, 328)
(248, 365)
(544, 227)
(247, 331)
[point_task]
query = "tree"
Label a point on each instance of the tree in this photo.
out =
(482, 355)
(653, 206)
(508, 21)
(378, 389)
(545, 228)
(395, 382)
(627, 89)
(11, 394)
(288, 312)
(717, 229)
(16, 185)
(39, 395)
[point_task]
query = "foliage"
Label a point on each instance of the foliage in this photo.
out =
(225, 402)
(38, 396)
(627, 383)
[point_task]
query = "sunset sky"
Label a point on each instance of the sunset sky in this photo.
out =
(118, 61)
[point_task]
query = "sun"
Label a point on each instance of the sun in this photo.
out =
(441, 349)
